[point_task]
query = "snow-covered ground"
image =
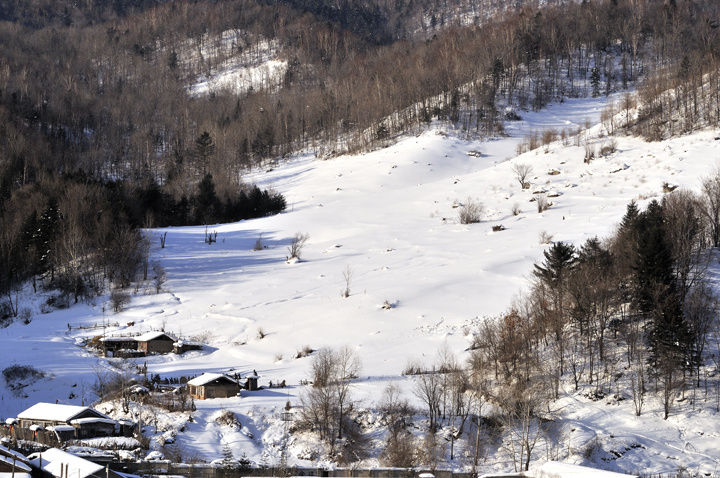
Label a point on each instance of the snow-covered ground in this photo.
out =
(258, 67)
(388, 216)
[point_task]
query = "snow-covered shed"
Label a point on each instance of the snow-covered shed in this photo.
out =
(212, 385)
(157, 342)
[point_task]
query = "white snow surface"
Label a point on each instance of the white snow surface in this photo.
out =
(53, 459)
(259, 67)
(207, 378)
(555, 469)
(389, 216)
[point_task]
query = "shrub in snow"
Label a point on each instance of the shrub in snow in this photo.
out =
(608, 148)
(17, 373)
(542, 203)
(228, 418)
(545, 238)
(589, 153)
(516, 209)
(470, 212)
(258, 244)
(296, 246)
(304, 352)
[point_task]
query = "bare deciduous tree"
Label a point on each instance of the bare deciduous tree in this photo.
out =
(522, 171)
(347, 279)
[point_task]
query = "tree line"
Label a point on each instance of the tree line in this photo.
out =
(103, 94)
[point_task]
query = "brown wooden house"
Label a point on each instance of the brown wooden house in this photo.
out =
(156, 343)
(212, 385)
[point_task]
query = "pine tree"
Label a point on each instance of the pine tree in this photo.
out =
(656, 293)
(228, 459)
(559, 259)
(207, 202)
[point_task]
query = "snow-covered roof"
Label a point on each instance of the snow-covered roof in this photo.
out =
(556, 469)
(154, 335)
(4, 451)
(55, 412)
(53, 460)
(61, 428)
(82, 421)
(9, 421)
(19, 465)
(206, 378)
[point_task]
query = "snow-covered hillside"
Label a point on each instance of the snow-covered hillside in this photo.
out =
(389, 218)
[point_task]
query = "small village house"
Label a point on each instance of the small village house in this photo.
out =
(156, 342)
(71, 421)
(212, 385)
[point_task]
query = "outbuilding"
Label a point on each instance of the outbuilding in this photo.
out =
(212, 385)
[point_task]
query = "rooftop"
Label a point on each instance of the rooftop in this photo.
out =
(55, 412)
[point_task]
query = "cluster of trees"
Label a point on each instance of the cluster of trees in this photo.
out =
(637, 306)
(70, 233)
(629, 317)
(327, 406)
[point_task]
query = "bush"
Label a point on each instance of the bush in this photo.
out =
(228, 418)
(589, 153)
(470, 212)
(304, 352)
(542, 203)
(608, 148)
(545, 238)
(498, 228)
(297, 244)
(516, 209)
(16, 373)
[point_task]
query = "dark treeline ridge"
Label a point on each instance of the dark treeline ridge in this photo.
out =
(99, 89)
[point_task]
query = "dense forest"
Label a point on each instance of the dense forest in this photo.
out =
(99, 133)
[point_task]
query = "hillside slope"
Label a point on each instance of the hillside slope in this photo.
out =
(388, 216)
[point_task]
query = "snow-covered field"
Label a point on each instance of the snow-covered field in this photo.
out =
(388, 216)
